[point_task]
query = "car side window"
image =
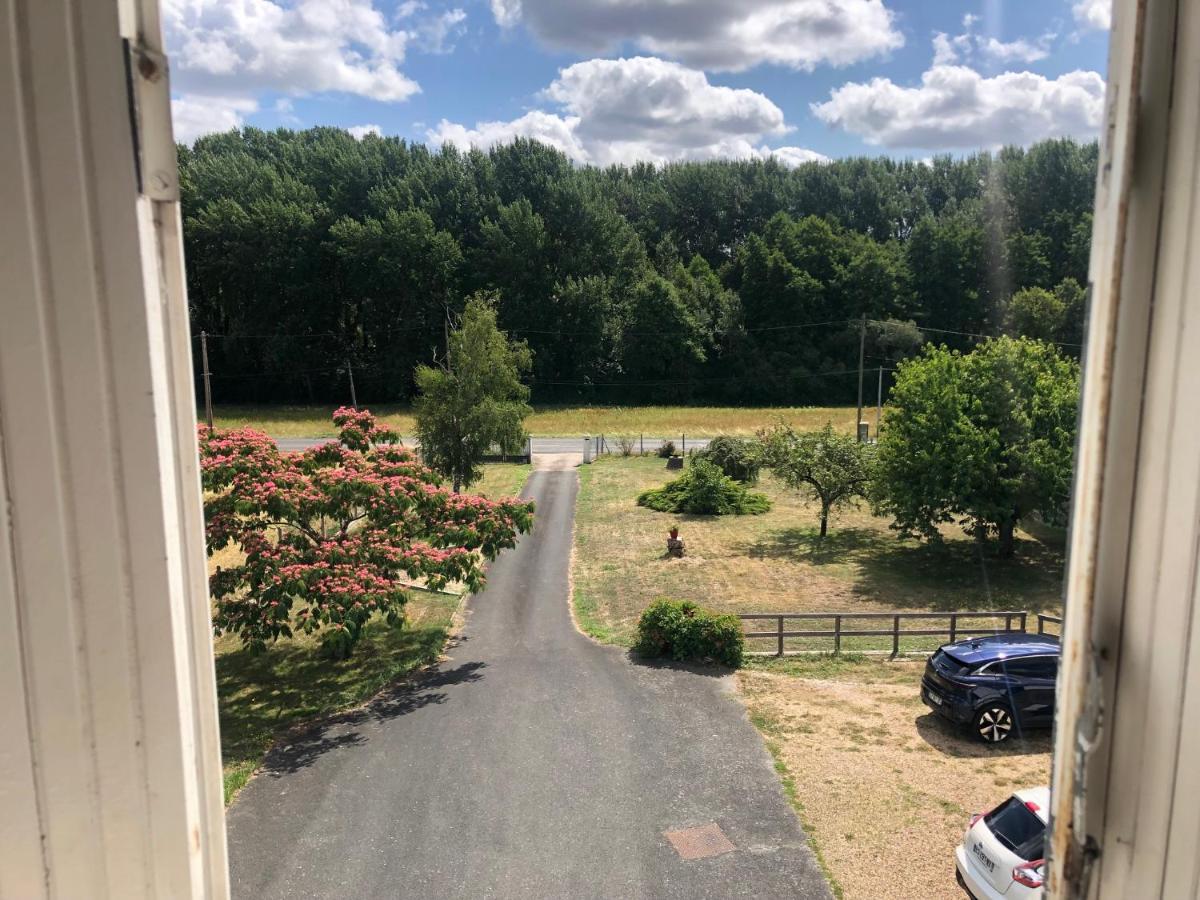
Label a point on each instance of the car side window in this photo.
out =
(1030, 667)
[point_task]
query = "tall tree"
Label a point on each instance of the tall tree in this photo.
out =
(474, 399)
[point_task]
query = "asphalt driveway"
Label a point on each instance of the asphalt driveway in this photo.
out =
(533, 763)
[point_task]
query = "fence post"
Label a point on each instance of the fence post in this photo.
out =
(642, 444)
(682, 444)
(953, 626)
(1024, 624)
(780, 653)
(895, 636)
(837, 635)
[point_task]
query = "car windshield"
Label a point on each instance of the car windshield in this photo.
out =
(1017, 828)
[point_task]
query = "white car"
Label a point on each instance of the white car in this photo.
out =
(1002, 855)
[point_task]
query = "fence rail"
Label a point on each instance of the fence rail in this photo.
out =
(1044, 620)
(958, 625)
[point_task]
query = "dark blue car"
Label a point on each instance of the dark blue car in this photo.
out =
(1000, 685)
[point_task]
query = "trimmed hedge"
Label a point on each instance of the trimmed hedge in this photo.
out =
(738, 458)
(680, 630)
(704, 490)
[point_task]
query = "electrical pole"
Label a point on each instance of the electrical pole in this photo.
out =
(879, 406)
(862, 347)
(353, 395)
(207, 379)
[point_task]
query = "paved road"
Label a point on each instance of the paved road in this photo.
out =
(540, 444)
(533, 763)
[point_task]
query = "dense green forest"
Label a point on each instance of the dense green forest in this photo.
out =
(738, 282)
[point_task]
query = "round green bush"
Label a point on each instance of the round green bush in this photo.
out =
(704, 490)
(680, 630)
(738, 458)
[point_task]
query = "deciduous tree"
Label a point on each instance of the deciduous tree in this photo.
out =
(336, 535)
(832, 468)
(475, 398)
(980, 438)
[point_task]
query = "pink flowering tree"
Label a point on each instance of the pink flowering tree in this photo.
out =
(339, 533)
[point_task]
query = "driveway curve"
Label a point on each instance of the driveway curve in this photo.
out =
(532, 763)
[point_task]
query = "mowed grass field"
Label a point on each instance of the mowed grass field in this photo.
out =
(565, 421)
(777, 563)
(261, 696)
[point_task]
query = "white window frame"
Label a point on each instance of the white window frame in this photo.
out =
(1124, 821)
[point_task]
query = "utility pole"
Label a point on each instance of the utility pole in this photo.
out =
(879, 406)
(207, 378)
(862, 348)
(353, 395)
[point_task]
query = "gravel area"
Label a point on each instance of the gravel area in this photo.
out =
(885, 787)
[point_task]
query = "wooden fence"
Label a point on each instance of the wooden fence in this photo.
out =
(1044, 620)
(957, 625)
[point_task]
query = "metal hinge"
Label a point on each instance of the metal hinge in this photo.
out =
(149, 92)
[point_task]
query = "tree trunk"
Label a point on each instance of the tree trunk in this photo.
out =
(824, 520)
(1007, 526)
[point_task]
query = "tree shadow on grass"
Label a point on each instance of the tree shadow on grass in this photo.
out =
(954, 575)
(263, 695)
(952, 740)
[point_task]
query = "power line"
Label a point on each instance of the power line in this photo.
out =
(974, 334)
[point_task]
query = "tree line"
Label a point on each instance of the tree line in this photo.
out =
(310, 253)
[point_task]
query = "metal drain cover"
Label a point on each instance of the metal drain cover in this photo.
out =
(699, 842)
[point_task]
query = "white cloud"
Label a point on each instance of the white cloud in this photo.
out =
(956, 107)
(548, 128)
(240, 49)
(1019, 50)
(194, 116)
(1095, 14)
(792, 156)
(358, 132)
(436, 34)
(640, 109)
(950, 50)
(715, 34)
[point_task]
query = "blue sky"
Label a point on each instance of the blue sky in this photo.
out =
(622, 80)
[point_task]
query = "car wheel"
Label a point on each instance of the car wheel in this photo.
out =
(994, 723)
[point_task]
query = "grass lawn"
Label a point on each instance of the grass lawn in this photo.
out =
(883, 787)
(776, 562)
(563, 421)
(260, 696)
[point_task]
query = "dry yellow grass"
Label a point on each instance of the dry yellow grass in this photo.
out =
(565, 421)
(884, 788)
(776, 563)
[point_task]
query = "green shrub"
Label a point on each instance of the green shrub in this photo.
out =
(666, 449)
(704, 490)
(680, 630)
(738, 458)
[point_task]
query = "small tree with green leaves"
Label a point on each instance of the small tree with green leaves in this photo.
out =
(474, 398)
(980, 438)
(831, 468)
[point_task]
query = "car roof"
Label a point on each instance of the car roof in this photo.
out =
(1003, 646)
(1037, 801)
